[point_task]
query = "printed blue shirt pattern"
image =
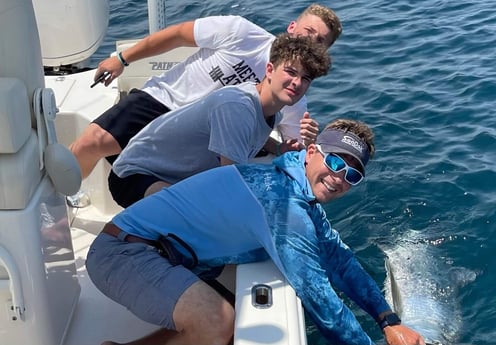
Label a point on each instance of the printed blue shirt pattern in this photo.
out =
(279, 219)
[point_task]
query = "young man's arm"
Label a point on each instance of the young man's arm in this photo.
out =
(234, 129)
(293, 141)
(174, 36)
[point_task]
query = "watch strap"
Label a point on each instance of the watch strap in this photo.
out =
(121, 59)
(389, 320)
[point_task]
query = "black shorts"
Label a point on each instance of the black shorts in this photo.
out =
(127, 190)
(126, 118)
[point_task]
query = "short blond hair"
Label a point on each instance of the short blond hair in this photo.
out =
(328, 16)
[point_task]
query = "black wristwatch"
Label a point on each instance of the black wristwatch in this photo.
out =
(389, 320)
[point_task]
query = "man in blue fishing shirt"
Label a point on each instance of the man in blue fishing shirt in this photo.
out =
(238, 214)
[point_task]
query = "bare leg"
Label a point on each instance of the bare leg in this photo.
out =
(92, 145)
(158, 337)
(202, 317)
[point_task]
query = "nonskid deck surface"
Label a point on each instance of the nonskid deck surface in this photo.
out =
(97, 318)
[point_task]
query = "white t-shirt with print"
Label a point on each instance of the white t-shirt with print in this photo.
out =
(232, 50)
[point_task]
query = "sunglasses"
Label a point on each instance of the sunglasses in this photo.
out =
(336, 164)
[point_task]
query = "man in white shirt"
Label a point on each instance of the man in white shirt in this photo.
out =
(232, 50)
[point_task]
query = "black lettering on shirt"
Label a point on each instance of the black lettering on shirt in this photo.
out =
(231, 80)
(216, 74)
(251, 76)
(245, 72)
(241, 73)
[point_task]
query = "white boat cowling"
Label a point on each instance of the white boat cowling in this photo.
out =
(70, 30)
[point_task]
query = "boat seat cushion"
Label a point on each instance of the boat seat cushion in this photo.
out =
(15, 115)
(19, 148)
(20, 175)
(138, 72)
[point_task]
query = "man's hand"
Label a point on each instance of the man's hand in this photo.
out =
(309, 129)
(290, 145)
(111, 65)
(402, 335)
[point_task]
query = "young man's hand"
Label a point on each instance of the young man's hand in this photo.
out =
(309, 129)
(290, 145)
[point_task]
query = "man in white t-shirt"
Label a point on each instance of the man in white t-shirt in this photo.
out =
(232, 50)
(229, 125)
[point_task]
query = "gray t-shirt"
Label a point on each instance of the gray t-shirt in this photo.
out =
(231, 50)
(228, 122)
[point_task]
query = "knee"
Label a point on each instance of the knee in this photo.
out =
(222, 324)
(220, 328)
(94, 140)
(214, 327)
(202, 316)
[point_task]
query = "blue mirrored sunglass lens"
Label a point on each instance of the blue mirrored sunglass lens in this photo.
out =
(353, 176)
(335, 163)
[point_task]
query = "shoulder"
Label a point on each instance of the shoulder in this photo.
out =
(244, 93)
(230, 27)
(231, 21)
(246, 27)
(237, 102)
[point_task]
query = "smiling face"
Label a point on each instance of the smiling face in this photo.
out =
(312, 26)
(326, 185)
(288, 82)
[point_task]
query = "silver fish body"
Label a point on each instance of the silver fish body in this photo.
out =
(421, 288)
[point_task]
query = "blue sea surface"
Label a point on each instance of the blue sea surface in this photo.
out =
(422, 75)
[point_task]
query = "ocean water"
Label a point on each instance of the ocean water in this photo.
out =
(422, 74)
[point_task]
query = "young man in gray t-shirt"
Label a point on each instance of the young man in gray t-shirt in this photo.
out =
(230, 125)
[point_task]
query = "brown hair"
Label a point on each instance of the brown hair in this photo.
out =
(312, 56)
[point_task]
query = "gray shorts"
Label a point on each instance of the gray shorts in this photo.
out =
(137, 277)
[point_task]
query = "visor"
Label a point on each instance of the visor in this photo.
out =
(336, 141)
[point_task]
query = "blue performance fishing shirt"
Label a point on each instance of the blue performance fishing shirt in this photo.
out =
(245, 213)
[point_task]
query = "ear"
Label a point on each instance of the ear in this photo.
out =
(269, 70)
(291, 27)
(311, 151)
(312, 148)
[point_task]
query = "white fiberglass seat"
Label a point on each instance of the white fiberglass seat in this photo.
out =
(38, 282)
(137, 73)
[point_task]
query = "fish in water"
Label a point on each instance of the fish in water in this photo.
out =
(422, 289)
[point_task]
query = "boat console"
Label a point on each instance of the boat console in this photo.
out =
(39, 288)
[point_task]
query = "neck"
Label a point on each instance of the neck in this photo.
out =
(270, 105)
